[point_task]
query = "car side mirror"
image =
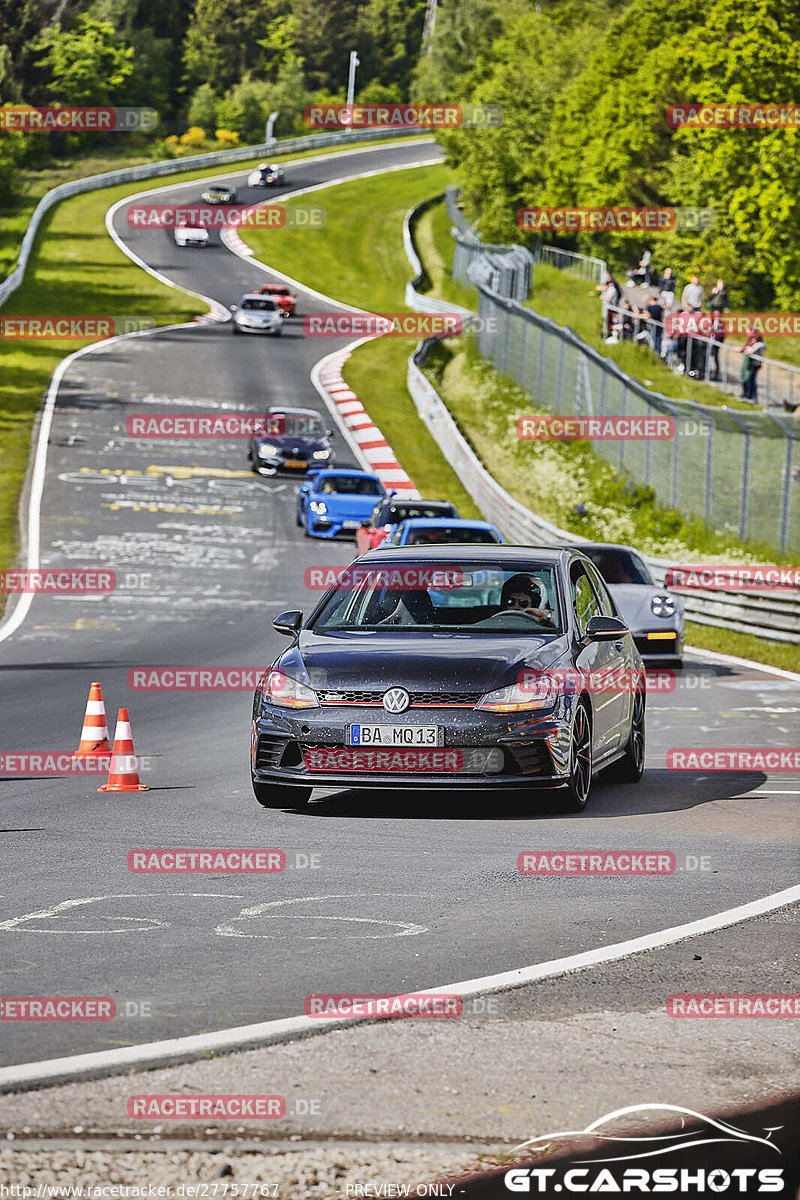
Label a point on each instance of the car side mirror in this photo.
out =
(365, 524)
(329, 432)
(604, 629)
(288, 622)
(234, 307)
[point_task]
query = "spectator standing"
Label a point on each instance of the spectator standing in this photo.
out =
(718, 300)
(655, 315)
(751, 352)
(641, 274)
(692, 295)
(611, 294)
(666, 289)
(717, 338)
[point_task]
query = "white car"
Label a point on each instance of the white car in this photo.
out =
(190, 235)
(654, 615)
(266, 175)
(256, 314)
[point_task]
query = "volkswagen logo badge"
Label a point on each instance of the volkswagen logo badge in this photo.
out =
(396, 700)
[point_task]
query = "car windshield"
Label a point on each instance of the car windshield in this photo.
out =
(261, 305)
(349, 485)
(468, 596)
(620, 566)
(296, 425)
(275, 290)
(448, 533)
(407, 512)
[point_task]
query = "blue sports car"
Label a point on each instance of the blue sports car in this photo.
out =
(438, 531)
(337, 501)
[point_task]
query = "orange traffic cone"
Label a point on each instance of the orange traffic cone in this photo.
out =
(94, 735)
(123, 775)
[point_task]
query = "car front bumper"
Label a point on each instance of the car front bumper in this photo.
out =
(531, 749)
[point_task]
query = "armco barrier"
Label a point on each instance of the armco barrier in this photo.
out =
(174, 166)
(770, 614)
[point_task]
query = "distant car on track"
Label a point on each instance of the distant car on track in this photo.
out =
(256, 314)
(446, 668)
(190, 235)
(301, 441)
(655, 616)
(219, 194)
(419, 531)
(266, 175)
(386, 515)
(336, 501)
(283, 296)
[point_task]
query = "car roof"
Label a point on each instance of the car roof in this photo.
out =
(430, 503)
(585, 546)
(445, 523)
(254, 296)
(456, 553)
(328, 471)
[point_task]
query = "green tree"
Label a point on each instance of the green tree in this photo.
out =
(86, 64)
(202, 109)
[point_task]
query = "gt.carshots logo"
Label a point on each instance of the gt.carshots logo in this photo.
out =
(609, 1157)
(413, 325)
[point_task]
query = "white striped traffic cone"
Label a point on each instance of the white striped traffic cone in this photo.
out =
(94, 735)
(123, 774)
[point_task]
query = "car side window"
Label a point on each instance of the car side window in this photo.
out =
(607, 606)
(584, 601)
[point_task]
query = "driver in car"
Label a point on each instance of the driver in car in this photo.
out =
(521, 593)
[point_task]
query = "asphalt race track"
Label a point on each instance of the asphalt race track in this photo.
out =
(408, 891)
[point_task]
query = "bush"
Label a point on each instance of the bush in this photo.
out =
(195, 137)
(227, 137)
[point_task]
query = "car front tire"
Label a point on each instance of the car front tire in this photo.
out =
(576, 794)
(630, 768)
(278, 795)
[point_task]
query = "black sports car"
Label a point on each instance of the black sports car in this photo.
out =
(452, 667)
(295, 439)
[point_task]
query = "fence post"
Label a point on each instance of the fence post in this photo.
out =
(745, 486)
(786, 503)
(709, 491)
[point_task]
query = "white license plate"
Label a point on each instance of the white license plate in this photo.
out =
(395, 735)
(350, 524)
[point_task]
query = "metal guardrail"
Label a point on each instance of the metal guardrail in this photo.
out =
(770, 614)
(174, 166)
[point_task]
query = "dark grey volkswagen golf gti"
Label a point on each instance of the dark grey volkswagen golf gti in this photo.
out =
(460, 667)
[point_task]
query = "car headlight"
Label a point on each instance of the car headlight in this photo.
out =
(319, 507)
(266, 451)
(285, 692)
(322, 454)
(663, 606)
(539, 692)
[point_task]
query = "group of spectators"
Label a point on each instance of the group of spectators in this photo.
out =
(683, 352)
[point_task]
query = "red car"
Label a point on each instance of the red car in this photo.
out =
(285, 299)
(391, 512)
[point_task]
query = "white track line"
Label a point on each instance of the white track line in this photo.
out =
(152, 1054)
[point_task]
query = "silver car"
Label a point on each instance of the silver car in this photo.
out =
(256, 314)
(654, 615)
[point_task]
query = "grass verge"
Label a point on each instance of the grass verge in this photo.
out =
(75, 268)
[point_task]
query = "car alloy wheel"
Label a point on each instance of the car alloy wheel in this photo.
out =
(630, 768)
(580, 762)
